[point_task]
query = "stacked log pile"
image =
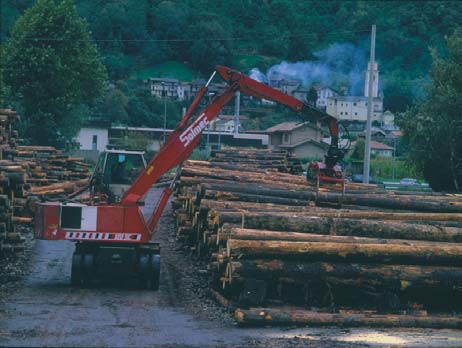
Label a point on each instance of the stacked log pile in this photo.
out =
(28, 173)
(232, 158)
(268, 244)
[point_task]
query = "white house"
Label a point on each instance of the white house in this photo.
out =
(388, 118)
(93, 138)
(352, 108)
(381, 149)
(225, 123)
(323, 94)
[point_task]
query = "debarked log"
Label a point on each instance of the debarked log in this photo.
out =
(395, 277)
(229, 231)
(393, 202)
(265, 316)
(281, 221)
(248, 197)
(448, 254)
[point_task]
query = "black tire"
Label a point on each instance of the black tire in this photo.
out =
(76, 270)
(144, 268)
(88, 264)
(155, 275)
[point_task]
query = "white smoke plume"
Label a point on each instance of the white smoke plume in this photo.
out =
(336, 66)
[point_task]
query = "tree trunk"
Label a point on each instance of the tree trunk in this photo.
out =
(257, 316)
(280, 221)
(227, 232)
(437, 254)
(396, 277)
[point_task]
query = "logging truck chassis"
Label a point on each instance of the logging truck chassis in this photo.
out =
(110, 235)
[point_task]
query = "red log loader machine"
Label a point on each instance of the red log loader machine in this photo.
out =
(112, 236)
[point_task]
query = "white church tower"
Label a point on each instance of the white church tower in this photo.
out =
(375, 81)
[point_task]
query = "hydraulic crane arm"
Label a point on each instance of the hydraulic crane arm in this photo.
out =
(178, 147)
(187, 133)
(257, 89)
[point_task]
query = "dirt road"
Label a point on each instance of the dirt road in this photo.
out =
(42, 309)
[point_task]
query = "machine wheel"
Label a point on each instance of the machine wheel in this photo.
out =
(143, 271)
(76, 270)
(155, 275)
(88, 263)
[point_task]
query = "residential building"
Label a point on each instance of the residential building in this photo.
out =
(380, 149)
(304, 140)
(289, 86)
(323, 94)
(225, 123)
(388, 118)
(92, 138)
(353, 108)
(301, 93)
(164, 87)
(178, 90)
(196, 85)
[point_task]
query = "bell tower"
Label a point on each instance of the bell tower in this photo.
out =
(375, 80)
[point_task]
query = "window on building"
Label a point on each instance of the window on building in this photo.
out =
(354, 104)
(341, 113)
(356, 114)
(286, 138)
(346, 112)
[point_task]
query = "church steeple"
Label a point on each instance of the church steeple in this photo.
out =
(375, 79)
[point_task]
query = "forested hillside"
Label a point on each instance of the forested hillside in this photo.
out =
(135, 36)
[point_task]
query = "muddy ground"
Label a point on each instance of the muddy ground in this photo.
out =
(38, 307)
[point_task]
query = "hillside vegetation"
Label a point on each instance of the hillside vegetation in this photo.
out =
(135, 36)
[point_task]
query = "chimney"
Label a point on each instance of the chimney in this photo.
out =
(375, 77)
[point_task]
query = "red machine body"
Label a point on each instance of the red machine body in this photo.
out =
(123, 222)
(102, 223)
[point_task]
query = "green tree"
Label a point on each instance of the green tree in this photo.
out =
(434, 127)
(51, 67)
(312, 96)
(206, 53)
(358, 152)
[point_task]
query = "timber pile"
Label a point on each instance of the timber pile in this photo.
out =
(281, 161)
(396, 256)
(28, 173)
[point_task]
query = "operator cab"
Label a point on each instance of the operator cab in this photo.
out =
(118, 169)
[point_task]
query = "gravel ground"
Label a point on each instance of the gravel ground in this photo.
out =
(38, 307)
(13, 267)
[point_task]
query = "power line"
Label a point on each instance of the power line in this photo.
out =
(283, 37)
(272, 38)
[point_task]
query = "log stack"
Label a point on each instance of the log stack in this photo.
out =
(268, 244)
(28, 173)
(256, 158)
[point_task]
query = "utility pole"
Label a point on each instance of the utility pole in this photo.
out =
(164, 92)
(367, 150)
(237, 106)
(393, 160)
